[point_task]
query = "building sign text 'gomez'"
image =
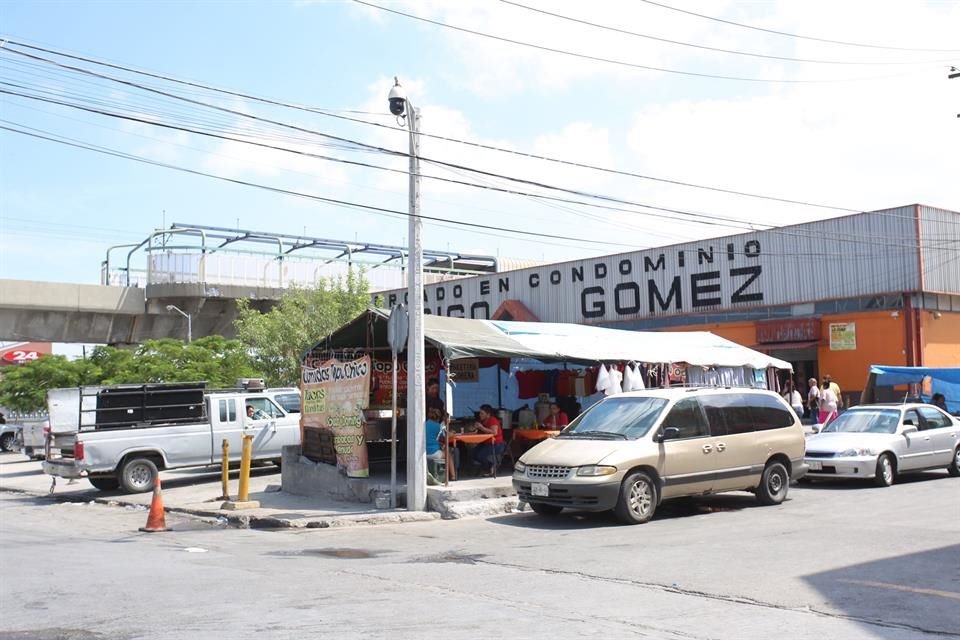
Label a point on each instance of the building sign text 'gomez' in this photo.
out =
(684, 279)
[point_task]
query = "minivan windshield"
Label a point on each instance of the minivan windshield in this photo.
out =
(865, 421)
(616, 419)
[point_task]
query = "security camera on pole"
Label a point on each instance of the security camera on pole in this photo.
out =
(401, 107)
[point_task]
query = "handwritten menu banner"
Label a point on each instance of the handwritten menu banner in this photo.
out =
(334, 396)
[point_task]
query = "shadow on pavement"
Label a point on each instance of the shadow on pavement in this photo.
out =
(852, 485)
(668, 510)
(916, 591)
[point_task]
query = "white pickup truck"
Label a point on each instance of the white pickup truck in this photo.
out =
(121, 436)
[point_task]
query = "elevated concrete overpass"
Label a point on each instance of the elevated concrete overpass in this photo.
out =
(204, 270)
(63, 312)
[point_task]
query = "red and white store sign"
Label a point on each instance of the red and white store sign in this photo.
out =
(24, 352)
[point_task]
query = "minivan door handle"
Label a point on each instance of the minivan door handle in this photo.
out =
(707, 448)
(721, 446)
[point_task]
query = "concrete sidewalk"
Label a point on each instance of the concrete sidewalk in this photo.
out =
(196, 492)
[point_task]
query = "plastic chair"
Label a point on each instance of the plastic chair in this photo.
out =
(438, 468)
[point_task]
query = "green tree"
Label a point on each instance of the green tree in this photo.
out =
(24, 387)
(279, 337)
(215, 360)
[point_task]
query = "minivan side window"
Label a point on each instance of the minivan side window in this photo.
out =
(770, 413)
(728, 414)
(688, 418)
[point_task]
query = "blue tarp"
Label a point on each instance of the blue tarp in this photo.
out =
(945, 380)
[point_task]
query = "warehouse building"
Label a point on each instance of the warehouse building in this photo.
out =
(831, 297)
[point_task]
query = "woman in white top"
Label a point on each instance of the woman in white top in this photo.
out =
(794, 399)
(828, 404)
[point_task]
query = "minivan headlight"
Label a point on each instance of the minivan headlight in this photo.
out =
(596, 470)
(520, 467)
(855, 453)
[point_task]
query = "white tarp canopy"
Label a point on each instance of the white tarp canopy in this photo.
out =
(458, 338)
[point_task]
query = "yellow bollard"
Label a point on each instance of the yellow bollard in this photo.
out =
(225, 471)
(246, 453)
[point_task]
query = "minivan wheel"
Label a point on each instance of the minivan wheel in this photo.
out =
(886, 472)
(954, 468)
(545, 509)
(138, 475)
(638, 499)
(774, 484)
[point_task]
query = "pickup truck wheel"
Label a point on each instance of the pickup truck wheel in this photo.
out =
(138, 475)
(105, 483)
(8, 442)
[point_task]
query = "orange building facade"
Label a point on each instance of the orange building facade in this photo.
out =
(831, 297)
(901, 337)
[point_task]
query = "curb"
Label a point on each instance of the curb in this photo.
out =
(247, 521)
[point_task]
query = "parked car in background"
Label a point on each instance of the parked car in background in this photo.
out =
(882, 441)
(633, 450)
(10, 436)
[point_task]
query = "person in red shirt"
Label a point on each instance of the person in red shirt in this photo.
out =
(556, 419)
(487, 454)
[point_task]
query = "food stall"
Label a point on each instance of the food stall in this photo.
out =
(520, 368)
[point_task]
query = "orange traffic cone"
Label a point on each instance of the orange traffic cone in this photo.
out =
(156, 520)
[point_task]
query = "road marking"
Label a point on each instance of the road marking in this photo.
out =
(900, 587)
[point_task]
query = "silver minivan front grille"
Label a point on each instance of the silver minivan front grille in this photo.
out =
(547, 472)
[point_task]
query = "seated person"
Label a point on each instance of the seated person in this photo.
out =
(487, 454)
(256, 414)
(435, 447)
(556, 419)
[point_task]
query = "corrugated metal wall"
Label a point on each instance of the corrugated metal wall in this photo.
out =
(858, 255)
(940, 243)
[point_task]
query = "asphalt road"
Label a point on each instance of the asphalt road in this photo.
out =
(835, 561)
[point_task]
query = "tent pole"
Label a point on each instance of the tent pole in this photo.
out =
(499, 388)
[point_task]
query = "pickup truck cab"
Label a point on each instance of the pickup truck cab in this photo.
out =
(122, 436)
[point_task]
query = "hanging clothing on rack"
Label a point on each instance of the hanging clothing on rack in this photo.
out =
(628, 383)
(603, 379)
(616, 378)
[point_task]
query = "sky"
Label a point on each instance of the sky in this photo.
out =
(863, 128)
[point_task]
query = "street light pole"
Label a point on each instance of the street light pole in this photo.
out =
(415, 418)
(186, 315)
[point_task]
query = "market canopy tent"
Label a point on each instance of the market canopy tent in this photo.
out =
(945, 380)
(457, 338)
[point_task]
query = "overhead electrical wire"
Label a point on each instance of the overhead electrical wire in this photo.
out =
(37, 133)
(725, 221)
(795, 35)
(327, 113)
(696, 216)
(621, 63)
(348, 141)
(691, 217)
(333, 201)
(597, 218)
(709, 48)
